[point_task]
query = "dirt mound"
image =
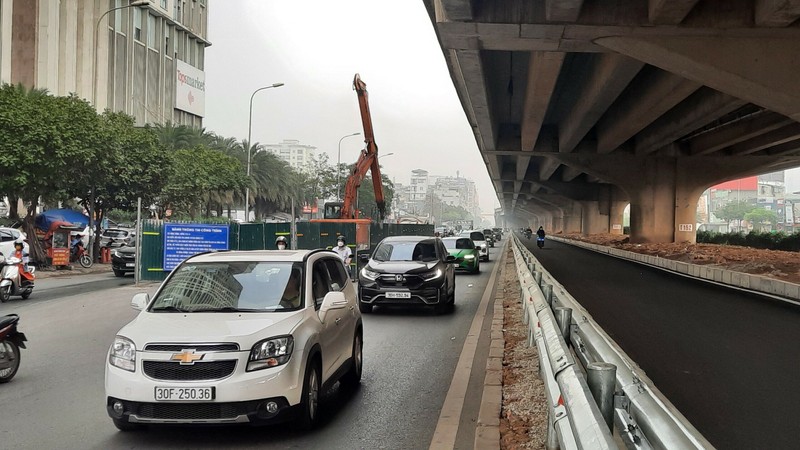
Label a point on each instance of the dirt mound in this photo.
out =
(777, 264)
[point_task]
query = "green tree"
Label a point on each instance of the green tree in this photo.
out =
(734, 211)
(366, 197)
(182, 137)
(275, 184)
(761, 217)
(129, 164)
(45, 142)
(196, 176)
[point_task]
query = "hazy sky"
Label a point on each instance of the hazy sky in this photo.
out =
(316, 48)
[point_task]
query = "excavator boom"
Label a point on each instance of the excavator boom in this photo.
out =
(367, 160)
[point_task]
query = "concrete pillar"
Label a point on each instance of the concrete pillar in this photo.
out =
(6, 8)
(616, 215)
(47, 54)
(558, 225)
(593, 220)
(23, 43)
(572, 219)
(653, 202)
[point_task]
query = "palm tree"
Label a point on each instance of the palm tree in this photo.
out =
(179, 137)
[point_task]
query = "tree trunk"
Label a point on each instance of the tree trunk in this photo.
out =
(36, 251)
(13, 207)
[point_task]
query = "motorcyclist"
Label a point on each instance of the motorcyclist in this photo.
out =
(540, 233)
(281, 243)
(75, 244)
(19, 252)
(528, 232)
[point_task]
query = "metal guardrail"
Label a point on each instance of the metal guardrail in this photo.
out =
(606, 390)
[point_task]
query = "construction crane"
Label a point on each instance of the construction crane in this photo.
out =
(367, 161)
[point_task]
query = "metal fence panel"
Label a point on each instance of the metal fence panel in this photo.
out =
(151, 259)
(251, 236)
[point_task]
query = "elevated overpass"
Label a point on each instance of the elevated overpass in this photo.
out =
(580, 107)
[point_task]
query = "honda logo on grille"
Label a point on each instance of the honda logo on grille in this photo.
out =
(398, 278)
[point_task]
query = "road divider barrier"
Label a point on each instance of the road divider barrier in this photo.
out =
(592, 386)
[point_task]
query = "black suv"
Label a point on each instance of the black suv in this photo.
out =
(408, 270)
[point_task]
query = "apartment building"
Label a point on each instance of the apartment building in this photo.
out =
(142, 58)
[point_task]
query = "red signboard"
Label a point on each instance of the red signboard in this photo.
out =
(743, 184)
(60, 256)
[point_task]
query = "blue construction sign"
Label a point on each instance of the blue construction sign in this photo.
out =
(182, 240)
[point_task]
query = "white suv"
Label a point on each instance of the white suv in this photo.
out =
(237, 337)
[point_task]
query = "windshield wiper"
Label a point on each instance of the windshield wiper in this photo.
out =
(224, 309)
(167, 309)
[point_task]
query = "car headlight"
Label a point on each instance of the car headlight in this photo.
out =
(123, 354)
(432, 275)
(270, 352)
(369, 274)
(469, 256)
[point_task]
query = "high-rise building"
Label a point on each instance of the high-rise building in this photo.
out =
(298, 156)
(144, 59)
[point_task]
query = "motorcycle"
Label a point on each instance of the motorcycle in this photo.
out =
(11, 341)
(528, 234)
(79, 254)
(540, 242)
(12, 280)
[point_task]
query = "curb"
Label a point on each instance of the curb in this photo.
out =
(487, 431)
(740, 280)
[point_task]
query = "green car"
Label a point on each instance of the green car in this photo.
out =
(466, 253)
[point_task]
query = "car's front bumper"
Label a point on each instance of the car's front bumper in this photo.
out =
(372, 293)
(468, 264)
(240, 397)
(123, 264)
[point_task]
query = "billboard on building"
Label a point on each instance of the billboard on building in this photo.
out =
(190, 89)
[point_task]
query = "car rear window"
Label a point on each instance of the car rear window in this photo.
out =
(477, 236)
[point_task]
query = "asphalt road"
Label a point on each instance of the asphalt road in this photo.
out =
(728, 360)
(57, 399)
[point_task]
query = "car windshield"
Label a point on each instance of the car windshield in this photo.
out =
(406, 251)
(459, 244)
(115, 233)
(249, 286)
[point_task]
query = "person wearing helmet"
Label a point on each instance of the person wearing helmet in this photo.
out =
(281, 243)
(19, 252)
(343, 251)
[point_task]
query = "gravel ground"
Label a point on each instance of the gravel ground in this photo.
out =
(523, 421)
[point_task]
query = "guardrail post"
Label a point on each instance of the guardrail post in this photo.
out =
(601, 377)
(537, 276)
(564, 319)
(547, 290)
(531, 267)
(551, 440)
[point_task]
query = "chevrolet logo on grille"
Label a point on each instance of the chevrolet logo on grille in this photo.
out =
(187, 357)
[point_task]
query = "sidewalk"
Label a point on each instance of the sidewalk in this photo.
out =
(75, 269)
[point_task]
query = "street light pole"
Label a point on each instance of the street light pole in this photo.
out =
(136, 3)
(249, 150)
(339, 162)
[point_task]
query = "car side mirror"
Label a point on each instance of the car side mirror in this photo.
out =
(364, 258)
(333, 300)
(139, 301)
(450, 259)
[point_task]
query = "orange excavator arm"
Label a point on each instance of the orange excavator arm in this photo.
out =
(368, 160)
